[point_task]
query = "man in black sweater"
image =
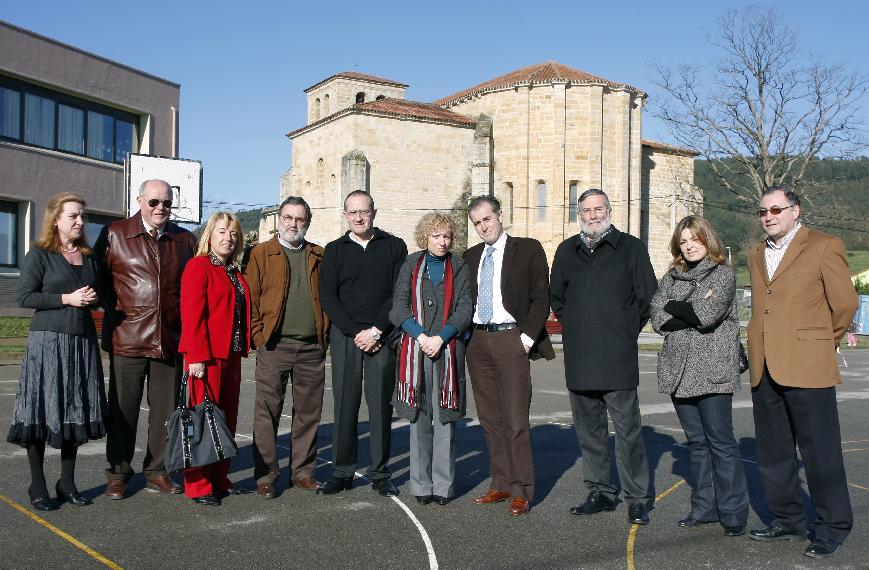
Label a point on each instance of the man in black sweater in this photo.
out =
(356, 281)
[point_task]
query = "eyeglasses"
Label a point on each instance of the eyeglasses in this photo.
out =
(354, 213)
(288, 219)
(599, 210)
(152, 203)
(775, 210)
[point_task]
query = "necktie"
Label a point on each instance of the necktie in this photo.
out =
(153, 232)
(487, 277)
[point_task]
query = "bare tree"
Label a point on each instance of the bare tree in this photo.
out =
(762, 113)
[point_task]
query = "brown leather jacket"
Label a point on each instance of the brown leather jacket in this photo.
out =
(142, 289)
(268, 276)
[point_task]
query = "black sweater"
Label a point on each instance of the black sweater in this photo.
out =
(45, 276)
(356, 284)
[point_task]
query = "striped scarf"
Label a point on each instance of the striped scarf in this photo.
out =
(409, 371)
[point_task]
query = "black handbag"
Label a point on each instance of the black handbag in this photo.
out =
(743, 357)
(197, 436)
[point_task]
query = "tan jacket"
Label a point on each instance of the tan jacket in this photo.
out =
(798, 316)
(268, 276)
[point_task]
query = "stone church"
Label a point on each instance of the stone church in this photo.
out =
(535, 138)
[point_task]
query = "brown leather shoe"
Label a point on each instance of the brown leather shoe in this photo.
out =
(115, 489)
(519, 506)
(265, 490)
(306, 483)
(493, 496)
(164, 484)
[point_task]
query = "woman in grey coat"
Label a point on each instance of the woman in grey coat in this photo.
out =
(432, 304)
(699, 367)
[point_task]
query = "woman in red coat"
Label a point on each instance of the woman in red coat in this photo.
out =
(215, 334)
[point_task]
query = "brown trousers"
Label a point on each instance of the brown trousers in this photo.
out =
(501, 378)
(126, 385)
(276, 364)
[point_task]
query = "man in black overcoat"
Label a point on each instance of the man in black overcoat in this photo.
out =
(601, 287)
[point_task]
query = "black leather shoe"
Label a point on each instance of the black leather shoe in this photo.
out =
(734, 530)
(822, 547)
(638, 514)
(236, 490)
(207, 500)
(441, 500)
(773, 532)
(424, 499)
(595, 503)
(688, 522)
(41, 503)
(385, 488)
(73, 498)
(335, 485)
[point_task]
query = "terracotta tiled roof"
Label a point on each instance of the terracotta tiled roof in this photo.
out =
(397, 108)
(669, 148)
(360, 77)
(534, 75)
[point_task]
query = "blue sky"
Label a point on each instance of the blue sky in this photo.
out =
(243, 66)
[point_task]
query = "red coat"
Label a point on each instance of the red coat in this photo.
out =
(207, 309)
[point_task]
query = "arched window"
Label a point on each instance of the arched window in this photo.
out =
(317, 109)
(541, 201)
(360, 97)
(320, 176)
(572, 207)
(332, 183)
(326, 105)
(379, 97)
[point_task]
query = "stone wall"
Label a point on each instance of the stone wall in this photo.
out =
(414, 167)
(667, 180)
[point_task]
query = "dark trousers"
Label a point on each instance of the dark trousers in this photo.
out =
(720, 492)
(590, 419)
(349, 366)
(127, 376)
(224, 386)
(785, 417)
(304, 365)
(501, 378)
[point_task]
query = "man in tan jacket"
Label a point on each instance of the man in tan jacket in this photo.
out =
(289, 330)
(802, 303)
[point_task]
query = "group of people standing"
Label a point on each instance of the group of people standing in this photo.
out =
(403, 329)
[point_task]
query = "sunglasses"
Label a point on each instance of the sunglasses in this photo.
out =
(775, 210)
(152, 203)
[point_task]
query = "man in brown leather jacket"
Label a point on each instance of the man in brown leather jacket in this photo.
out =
(289, 330)
(141, 260)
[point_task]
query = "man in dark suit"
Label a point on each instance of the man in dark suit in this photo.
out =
(602, 288)
(803, 303)
(511, 291)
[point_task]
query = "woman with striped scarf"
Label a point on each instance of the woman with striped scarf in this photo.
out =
(432, 304)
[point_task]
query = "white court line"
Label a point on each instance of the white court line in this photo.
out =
(429, 547)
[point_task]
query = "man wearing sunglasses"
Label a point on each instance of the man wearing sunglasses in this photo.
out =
(141, 261)
(803, 302)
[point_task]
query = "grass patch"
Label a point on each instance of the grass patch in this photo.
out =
(13, 327)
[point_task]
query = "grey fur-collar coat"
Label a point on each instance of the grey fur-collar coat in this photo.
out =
(704, 360)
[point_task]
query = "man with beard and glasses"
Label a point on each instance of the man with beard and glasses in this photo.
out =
(289, 330)
(601, 289)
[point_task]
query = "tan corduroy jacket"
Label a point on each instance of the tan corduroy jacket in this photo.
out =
(798, 316)
(268, 276)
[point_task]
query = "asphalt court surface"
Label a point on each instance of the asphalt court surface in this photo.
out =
(360, 529)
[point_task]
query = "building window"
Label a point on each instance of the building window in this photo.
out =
(95, 224)
(10, 113)
(70, 129)
(360, 97)
(380, 97)
(61, 122)
(507, 203)
(321, 173)
(8, 234)
(38, 121)
(541, 201)
(326, 105)
(317, 109)
(573, 207)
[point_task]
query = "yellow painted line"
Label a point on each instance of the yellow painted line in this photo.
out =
(78, 544)
(632, 534)
(858, 486)
(860, 449)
